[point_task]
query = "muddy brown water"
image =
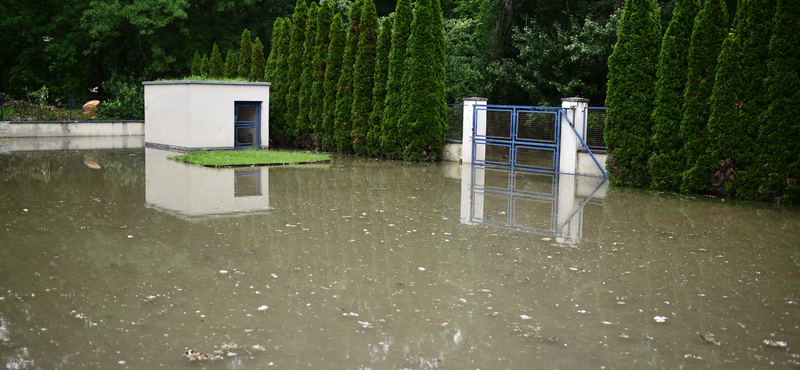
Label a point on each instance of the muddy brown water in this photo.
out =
(124, 259)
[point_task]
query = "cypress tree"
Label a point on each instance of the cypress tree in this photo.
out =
(631, 90)
(321, 45)
(379, 90)
(714, 167)
(215, 70)
(205, 67)
(280, 84)
(333, 69)
(231, 64)
(197, 63)
(303, 124)
(293, 75)
(708, 35)
(401, 30)
(259, 66)
(779, 137)
(245, 55)
(423, 120)
(272, 60)
(666, 165)
(364, 77)
(342, 124)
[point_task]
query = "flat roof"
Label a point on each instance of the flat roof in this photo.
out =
(201, 82)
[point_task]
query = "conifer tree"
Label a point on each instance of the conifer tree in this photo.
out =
(205, 67)
(303, 124)
(258, 68)
(333, 69)
(710, 31)
(294, 74)
(215, 70)
(401, 31)
(231, 64)
(714, 167)
(321, 45)
(424, 112)
(631, 90)
(197, 64)
(364, 76)
(245, 55)
(379, 90)
(666, 165)
(781, 155)
(272, 60)
(280, 85)
(343, 116)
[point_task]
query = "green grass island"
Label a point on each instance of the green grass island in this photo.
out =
(251, 157)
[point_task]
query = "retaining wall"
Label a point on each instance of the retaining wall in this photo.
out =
(39, 129)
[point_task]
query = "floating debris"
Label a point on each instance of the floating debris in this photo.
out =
(660, 319)
(624, 336)
(422, 269)
(258, 347)
(709, 338)
(365, 324)
(263, 308)
(223, 271)
(194, 355)
(229, 346)
(775, 343)
(524, 317)
(445, 324)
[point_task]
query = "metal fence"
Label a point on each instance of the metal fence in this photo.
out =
(455, 121)
(595, 126)
(49, 107)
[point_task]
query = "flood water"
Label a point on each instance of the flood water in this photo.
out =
(125, 259)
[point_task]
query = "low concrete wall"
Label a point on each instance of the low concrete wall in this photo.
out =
(84, 143)
(38, 129)
(451, 152)
(586, 165)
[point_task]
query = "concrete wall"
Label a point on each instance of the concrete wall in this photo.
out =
(83, 143)
(199, 114)
(586, 165)
(451, 152)
(195, 192)
(19, 129)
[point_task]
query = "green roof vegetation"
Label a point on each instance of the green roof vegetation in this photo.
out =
(251, 157)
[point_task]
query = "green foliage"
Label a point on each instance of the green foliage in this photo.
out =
(364, 77)
(245, 55)
(423, 123)
(224, 158)
(708, 35)
(272, 60)
(666, 164)
(216, 70)
(196, 63)
(294, 74)
(280, 83)
(303, 125)
(321, 48)
(205, 66)
(231, 64)
(390, 134)
(342, 124)
(333, 69)
(118, 106)
(714, 168)
(379, 90)
(259, 65)
(631, 90)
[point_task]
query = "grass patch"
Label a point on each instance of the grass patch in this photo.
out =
(254, 157)
(203, 78)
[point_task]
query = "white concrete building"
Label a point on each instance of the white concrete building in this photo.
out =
(206, 115)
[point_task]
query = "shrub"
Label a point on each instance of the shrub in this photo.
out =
(295, 71)
(245, 55)
(119, 105)
(666, 164)
(379, 89)
(321, 47)
(272, 60)
(280, 83)
(364, 77)
(708, 35)
(259, 65)
(631, 85)
(422, 124)
(196, 64)
(205, 67)
(333, 69)
(401, 30)
(344, 94)
(303, 125)
(231, 65)
(216, 70)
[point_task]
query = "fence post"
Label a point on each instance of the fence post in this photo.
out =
(472, 121)
(70, 106)
(131, 107)
(568, 149)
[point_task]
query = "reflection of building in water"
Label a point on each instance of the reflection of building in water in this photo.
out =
(538, 203)
(196, 192)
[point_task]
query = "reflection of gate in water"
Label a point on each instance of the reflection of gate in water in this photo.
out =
(537, 203)
(523, 138)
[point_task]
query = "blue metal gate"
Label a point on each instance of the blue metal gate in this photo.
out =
(518, 137)
(247, 124)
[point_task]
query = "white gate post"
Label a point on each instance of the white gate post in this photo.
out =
(569, 143)
(470, 119)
